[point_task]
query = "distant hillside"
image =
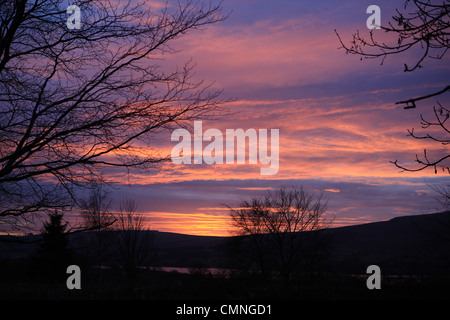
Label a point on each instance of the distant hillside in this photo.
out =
(404, 245)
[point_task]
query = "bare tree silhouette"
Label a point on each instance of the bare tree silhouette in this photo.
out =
(424, 27)
(98, 218)
(74, 101)
(442, 195)
(279, 225)
(137, 246)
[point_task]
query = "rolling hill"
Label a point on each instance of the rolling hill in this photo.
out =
(417, 244)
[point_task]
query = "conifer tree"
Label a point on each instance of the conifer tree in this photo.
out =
(53, 254)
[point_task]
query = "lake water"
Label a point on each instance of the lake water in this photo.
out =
(211, 271)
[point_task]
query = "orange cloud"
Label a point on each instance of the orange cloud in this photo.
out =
(190, 223)
(336, 115)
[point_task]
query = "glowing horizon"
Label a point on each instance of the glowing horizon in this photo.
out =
(339, 126)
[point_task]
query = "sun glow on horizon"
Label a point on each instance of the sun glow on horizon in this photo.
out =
(336, 115)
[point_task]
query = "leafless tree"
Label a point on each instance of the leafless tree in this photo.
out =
(98, 219)
(442, 192)
(96, 209)
(437, 225)
(74, 101)
(137, 245)
(280, 225)
(425, 27)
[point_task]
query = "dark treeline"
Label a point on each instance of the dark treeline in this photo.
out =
(413, 260)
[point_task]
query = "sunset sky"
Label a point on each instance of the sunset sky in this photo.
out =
(280, 64)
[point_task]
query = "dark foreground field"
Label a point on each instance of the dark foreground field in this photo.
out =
(413, 254)
(158, 285)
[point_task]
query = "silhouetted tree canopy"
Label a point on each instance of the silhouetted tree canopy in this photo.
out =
(53, 255)
(423, 27)
(136, 244)
(74, 101)
(282, 228)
